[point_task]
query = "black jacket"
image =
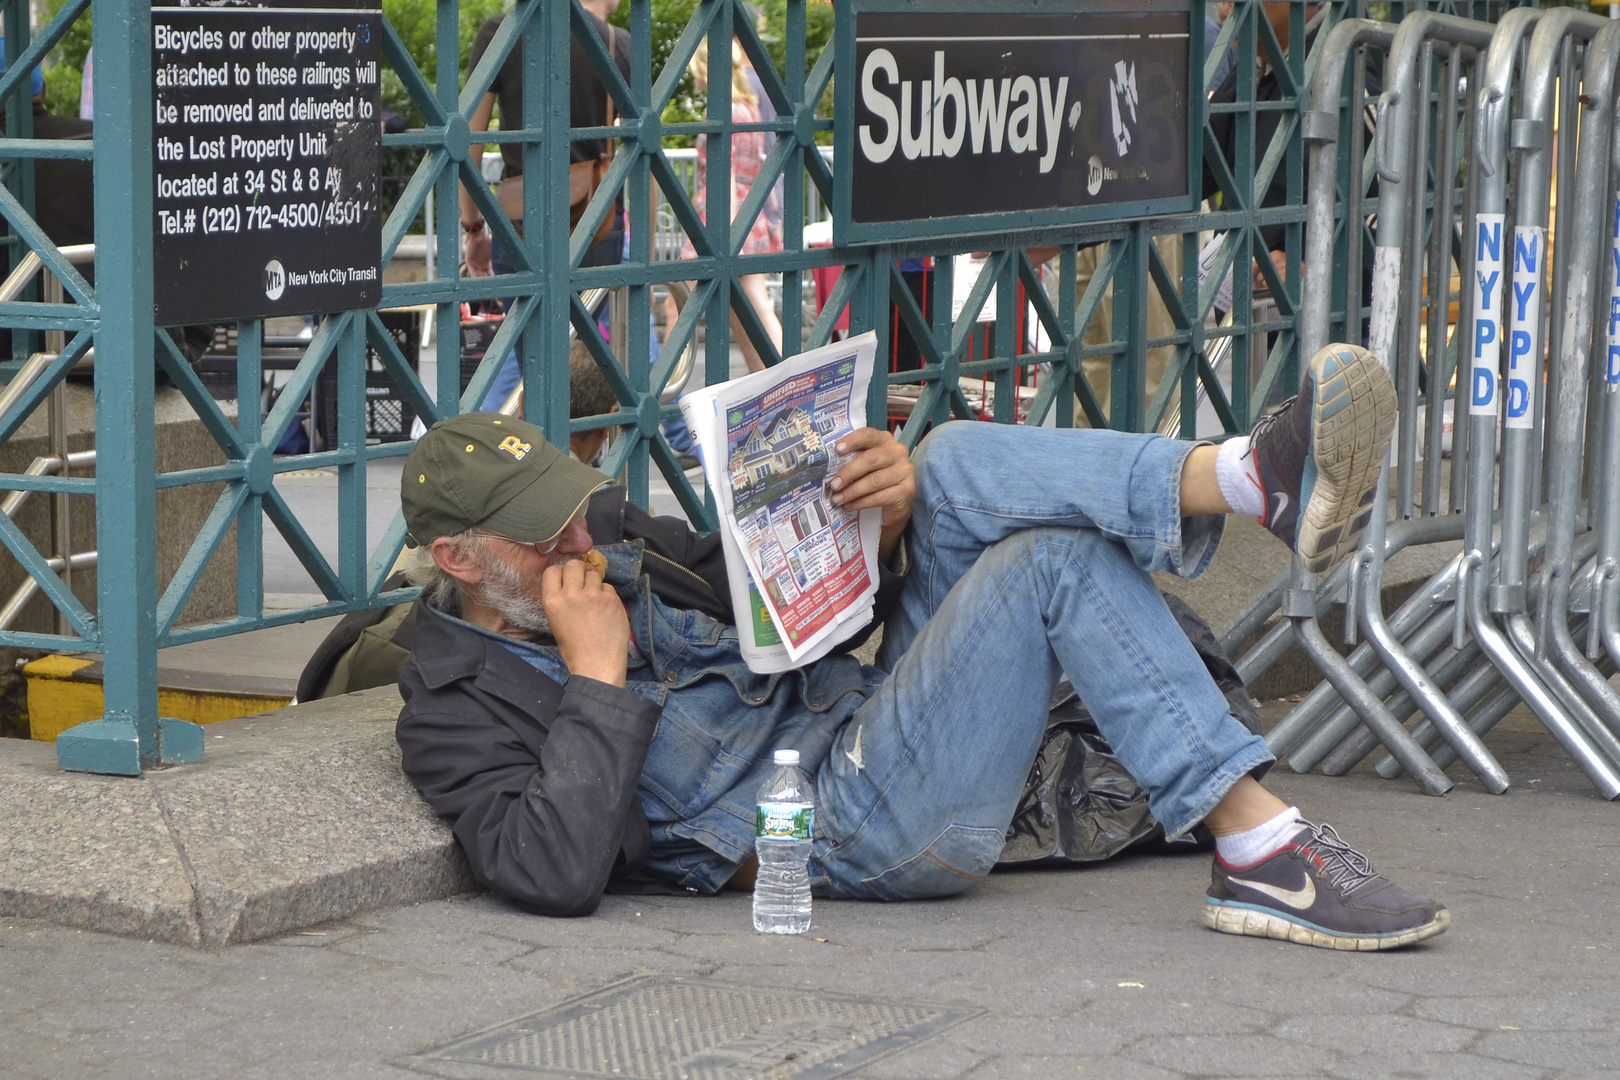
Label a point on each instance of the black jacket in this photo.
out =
(538, 780)
(587, 97)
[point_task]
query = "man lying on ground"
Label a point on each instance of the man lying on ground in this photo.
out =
(575, 728)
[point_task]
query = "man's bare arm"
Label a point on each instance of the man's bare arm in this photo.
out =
(473, 227)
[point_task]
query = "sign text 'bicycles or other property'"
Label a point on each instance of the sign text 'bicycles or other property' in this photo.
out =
(266, 141)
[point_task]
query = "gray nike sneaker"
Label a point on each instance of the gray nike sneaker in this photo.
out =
(1318, 890)
(1318, 456)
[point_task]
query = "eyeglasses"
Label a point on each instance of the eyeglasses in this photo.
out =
(541, 547)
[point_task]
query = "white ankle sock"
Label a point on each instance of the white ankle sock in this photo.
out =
(1251, 845)
(1234, 471)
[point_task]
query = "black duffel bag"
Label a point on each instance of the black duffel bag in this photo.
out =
(1079, 804)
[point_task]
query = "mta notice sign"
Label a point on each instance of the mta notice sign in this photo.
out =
(956, 121)
(265, 160)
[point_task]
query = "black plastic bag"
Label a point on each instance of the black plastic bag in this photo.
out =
(1079, 803)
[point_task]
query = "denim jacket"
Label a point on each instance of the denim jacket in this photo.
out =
(552, 784)
(719, 724)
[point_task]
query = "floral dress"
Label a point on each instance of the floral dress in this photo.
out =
(747, 157)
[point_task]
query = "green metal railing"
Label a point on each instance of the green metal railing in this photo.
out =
(133, 618)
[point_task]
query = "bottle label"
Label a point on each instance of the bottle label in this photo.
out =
(785, 821)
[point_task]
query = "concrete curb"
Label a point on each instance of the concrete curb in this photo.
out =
(65, 690)
(296, 817)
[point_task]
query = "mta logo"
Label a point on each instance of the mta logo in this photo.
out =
(275, 279)
(1122, 97)
(516, 447)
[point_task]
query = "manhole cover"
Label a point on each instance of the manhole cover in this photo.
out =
(655, 1028)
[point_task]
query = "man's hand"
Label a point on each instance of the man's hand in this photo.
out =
(476, 253)
(880, 476)
(588, 620)
(1279, 262)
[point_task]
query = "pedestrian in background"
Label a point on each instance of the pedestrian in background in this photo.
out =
(589, 106)
(747, 158)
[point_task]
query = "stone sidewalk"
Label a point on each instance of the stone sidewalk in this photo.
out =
(1095, 972)
(295, 816)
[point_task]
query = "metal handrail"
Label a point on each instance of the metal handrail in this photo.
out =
(43, 466)
(35, 366)
(29, 268)
(25, 592)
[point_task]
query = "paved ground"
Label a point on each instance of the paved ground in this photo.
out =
(1099, 972)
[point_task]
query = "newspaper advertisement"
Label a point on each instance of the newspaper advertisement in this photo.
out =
(757, 637)
(768, 446)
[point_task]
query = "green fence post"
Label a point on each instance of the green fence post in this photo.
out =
(128, 737)
(20, 175)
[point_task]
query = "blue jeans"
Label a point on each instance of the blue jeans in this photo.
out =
(605, 252)
(1030, 552)
(608, 251)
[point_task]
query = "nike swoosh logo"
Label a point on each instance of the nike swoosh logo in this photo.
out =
(1298, 899)
(1281, 508)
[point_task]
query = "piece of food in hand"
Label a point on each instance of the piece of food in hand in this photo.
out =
(595, 560)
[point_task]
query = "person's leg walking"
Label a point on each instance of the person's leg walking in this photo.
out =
(511, 370)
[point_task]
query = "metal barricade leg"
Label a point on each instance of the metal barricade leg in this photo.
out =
(1397, 285)
(1480, 720)
(1484, 682)
(1592, 211)
(1488, 234)
(1299, 603)
(1441, 663)
(1299, 723)
(1372, 711)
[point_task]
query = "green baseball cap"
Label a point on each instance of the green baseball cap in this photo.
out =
(494, 472)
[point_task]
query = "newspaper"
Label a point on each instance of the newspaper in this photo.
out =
(803, 571)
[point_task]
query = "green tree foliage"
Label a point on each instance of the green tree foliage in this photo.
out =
(64, 67)
(669, 19)
(818, 30)
(416, 22)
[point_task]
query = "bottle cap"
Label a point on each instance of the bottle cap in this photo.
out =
(786, 757)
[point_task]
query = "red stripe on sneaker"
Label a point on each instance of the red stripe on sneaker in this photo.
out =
(1263, 858)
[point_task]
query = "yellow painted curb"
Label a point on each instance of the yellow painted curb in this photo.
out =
(58, 700)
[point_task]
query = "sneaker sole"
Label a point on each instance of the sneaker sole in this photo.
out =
(1252, 922)
(1352, 422)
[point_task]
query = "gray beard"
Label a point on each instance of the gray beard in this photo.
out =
(503, 592)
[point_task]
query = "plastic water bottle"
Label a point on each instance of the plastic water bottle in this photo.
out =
(785, 821)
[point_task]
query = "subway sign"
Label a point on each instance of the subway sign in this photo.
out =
(955, 120)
